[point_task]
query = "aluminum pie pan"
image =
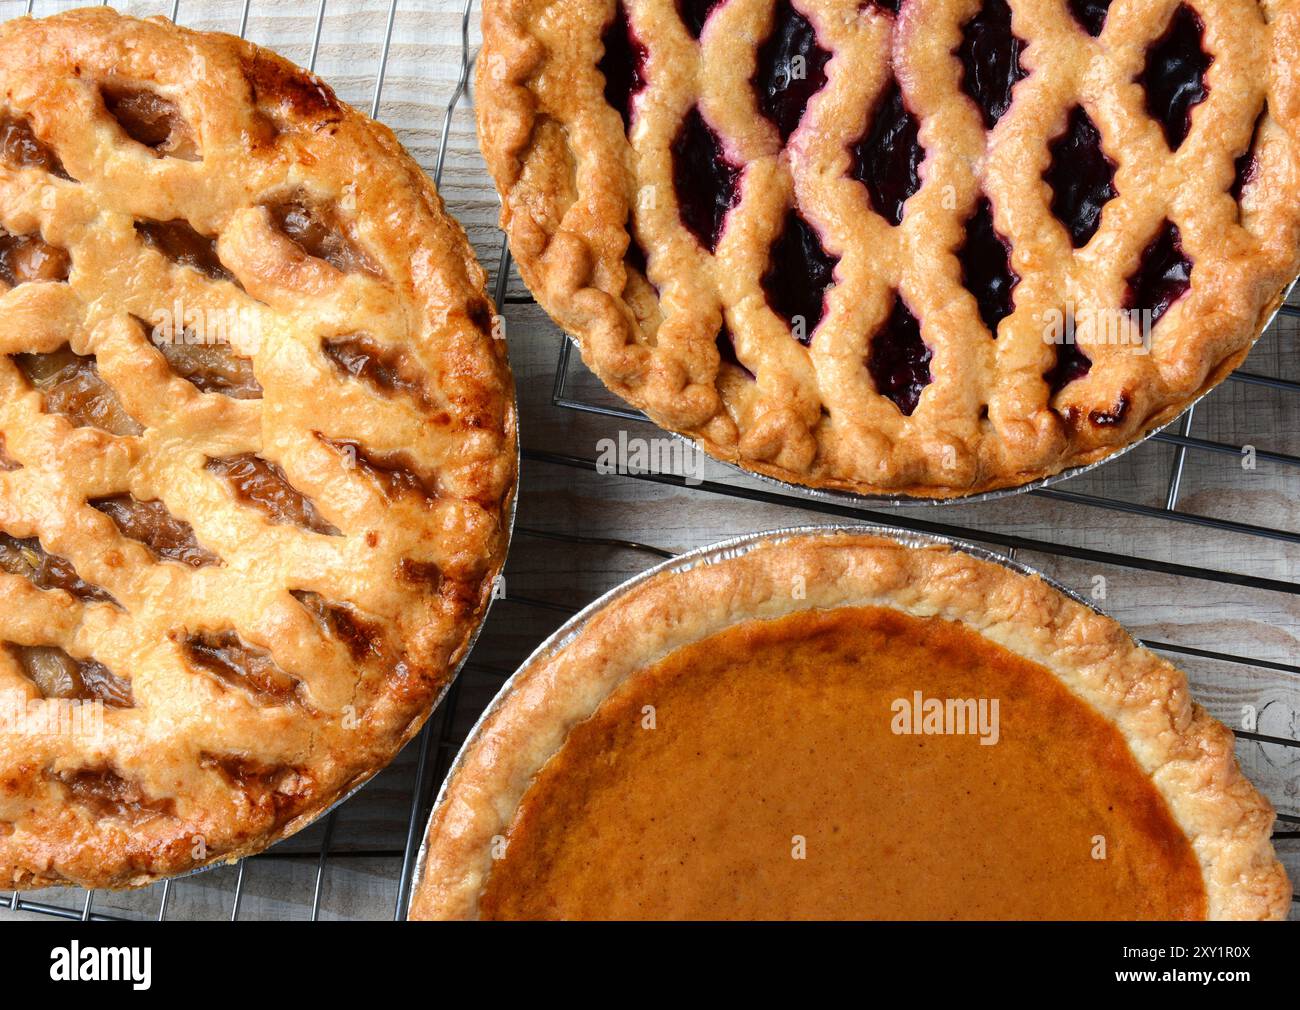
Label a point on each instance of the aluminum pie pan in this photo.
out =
(724, 550)
(852, 498)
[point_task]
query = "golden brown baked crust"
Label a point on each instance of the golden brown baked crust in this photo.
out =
(1187, 754)
(262, 537)
(573, 183)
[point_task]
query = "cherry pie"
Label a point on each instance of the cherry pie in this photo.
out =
(919, 247)
(257, 449)
(753, 734)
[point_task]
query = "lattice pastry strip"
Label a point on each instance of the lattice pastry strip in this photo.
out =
(259, 447)
(852, 245)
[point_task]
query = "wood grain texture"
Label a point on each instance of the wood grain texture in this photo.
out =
(369, 833)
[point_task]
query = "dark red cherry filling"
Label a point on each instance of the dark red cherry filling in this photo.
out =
(704, 180)
(1163, 275)
(1081, 177)
(1174, 77)
(1071, 363)
(635, 256)
(623, 65)
(726, 345)
(695, 12)
(1111, 416)
(799, 273)
(1247, 166)
(990, 59)
(1091, 14)
(791, 69)
(886, 5)
(986, 267)
(887, 160)
(899, 361)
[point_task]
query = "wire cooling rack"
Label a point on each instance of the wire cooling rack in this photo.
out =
(377, 855)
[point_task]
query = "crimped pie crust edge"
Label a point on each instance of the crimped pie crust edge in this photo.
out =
(1186, 752)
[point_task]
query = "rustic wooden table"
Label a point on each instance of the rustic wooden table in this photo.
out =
(1150, 553)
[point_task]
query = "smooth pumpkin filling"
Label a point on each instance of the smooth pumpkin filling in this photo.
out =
(762, 773)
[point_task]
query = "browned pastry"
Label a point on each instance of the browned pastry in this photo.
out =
(756, 737)
(907, 247)
(258, 449)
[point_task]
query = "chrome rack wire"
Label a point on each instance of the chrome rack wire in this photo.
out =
(439, 741)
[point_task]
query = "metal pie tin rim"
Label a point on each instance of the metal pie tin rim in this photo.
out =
(721, 551)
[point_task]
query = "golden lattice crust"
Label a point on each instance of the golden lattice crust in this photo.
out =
(1187, 753)
(265, 556)
(572, 181)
